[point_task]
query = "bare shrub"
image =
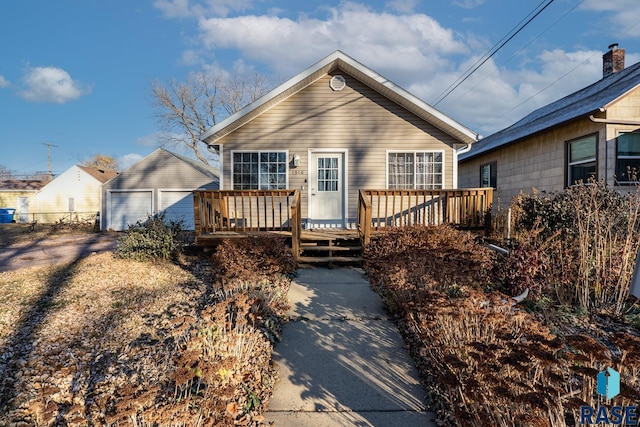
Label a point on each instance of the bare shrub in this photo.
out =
(588, 235)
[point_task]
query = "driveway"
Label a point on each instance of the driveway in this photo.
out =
(54, 250)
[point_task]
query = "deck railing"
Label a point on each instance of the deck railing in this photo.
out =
(246, 210)
(378, 209)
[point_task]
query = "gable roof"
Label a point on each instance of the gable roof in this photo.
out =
(208, 171)
(99, 174)
(205, 170)
(367, 76)
(596, 97)
(21, 184)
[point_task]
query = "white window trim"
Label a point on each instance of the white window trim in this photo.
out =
(275, 150)
(221, 168)
(386, 164)
(345, 167)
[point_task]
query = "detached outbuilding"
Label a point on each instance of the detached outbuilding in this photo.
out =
(21, 195)
(161, 182)
(73, 195)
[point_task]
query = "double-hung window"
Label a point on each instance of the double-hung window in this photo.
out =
(581, 157)
(415, 170)
(259, 170)
(489, 175)
(628, 158)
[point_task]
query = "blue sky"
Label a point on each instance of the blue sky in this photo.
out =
(77, 73)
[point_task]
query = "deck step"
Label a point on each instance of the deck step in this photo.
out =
(330, 259)
(332, 248)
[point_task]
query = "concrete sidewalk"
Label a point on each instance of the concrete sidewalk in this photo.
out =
(342, 361)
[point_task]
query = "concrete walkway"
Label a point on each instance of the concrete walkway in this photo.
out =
(342, 361)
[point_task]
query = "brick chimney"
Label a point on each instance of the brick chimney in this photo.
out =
(612, 61)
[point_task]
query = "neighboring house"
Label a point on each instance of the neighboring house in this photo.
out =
(590, 133)
(72, 195)
(336, 128)
(22, 196)
(161, 182)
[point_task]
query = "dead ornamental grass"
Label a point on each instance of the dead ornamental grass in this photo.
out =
(485, 361)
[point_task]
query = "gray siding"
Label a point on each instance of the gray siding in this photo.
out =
(357, 118)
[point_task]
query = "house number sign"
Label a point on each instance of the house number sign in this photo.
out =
(296, 172)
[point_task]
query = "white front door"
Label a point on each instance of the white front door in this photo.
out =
(326, 189)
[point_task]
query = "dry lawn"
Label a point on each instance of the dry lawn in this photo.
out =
(99, 342)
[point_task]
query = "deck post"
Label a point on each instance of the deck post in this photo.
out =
(364, 218)
(296, 225)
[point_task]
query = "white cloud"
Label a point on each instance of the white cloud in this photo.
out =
(624, 16)
(128, 159)
(4, 82)
(151, 140)
(402, 6)
(416, 48)
(50, 84)
(468, 4)
(194, 8)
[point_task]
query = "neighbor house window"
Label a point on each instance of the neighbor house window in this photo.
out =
(489, 175)
(628, 158)
(418, 169)
(261, 170)
(581, 156)
(72, 204)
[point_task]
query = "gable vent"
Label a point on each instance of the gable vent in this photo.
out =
(337, 82)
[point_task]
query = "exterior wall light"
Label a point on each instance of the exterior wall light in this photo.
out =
(296, 160)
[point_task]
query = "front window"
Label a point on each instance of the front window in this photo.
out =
(415, 170)
(582, 163)
(261, 170)
(489, 175)
(628, 158)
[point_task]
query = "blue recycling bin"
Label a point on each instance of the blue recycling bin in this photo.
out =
(6, 215)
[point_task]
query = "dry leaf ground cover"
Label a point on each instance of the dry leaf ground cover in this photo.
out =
(484, 360)
(109, 341)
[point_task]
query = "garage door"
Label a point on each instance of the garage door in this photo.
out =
(126, 208)
(178, 205)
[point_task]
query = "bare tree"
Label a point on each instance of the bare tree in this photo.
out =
(5, 173)
(187, 109)
(101, 161)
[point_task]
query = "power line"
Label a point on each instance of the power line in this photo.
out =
(523, 48)
(484, 58)
(562, 77)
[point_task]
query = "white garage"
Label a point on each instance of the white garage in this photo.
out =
(177, 205)
(128, 207)
(161, 182)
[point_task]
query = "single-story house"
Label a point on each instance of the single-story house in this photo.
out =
(161, 182)
(334, 129)
(21, 195)
(593, 132)
(72, 195)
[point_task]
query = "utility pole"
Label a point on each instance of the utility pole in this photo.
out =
(49, 157)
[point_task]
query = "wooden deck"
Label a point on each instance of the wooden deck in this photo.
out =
(222, 215)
